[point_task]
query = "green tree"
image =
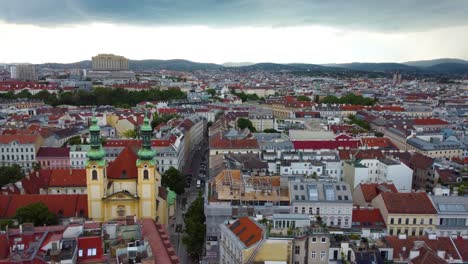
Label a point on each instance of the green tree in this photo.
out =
(159, 119)
(243, 123)
(211, 92)
(10, 174)
(195, 228)
(362, 123)
(174, 180)
(36, 213)
(131, 133)
(303, 98)
(270, 130)
(76, 140)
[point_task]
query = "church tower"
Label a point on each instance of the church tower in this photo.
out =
(96, 179)
(149, 179)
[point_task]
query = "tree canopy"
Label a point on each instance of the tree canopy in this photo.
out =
(303, 98)
(243, 123)
(159, 119)
(270, 130)
(101, 96)
(247, 97)
(10, 174)
(211, 92)
(36, 213)
(348, 99)
(362, 123)
(174, 180)
(195, 228)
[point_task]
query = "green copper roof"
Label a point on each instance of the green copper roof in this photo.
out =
(94, 126)
(146, 125)
(171, 197)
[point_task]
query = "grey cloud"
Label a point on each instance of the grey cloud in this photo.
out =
(379, 15)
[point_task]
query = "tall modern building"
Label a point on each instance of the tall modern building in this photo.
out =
(23, 72)
(109, 62)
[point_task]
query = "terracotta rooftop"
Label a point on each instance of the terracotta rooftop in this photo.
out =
(68, 178)
(368, 218)
(371, 190)
(22, 139)
(124, 166)
(67, 204)
(224, 143)
(404, 246)
(154, 233)
(247, 231)
(47, 152)
(408, 203)
(429, 122)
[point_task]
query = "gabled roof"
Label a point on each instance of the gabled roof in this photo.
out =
(404, 246)
(371, 190)
(66, 204)
(382, 143)
(22, 139)
(408, 203)
(48, 152)
(247, 231)
(68, 178)
(124, 166)
(420, 161)
(462, 246)
(368, 218)
(429, 122)
(224, 143)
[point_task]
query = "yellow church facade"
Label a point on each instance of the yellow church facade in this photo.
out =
(128, 186)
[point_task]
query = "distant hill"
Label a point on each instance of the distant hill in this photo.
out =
(269, 66)
(454, 68)
(446, 66)
(429, 63)
(377, 67)
(237, 64)
(142, 65)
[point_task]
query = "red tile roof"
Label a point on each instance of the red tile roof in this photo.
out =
(22, 139)
(420, 161)
(382, 142)
(325, 144)
(53, 152)
(440, 243)
(154, 233)
(408, 203)
(247, 231)
(69, 205)
(124, 166)
(368, 154)
(462, 246)
(68, 178)
(368, 218)
(429, 122)
(371, 190)
(224, 143)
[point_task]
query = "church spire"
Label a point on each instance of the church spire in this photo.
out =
(96, 152)
(146, 153)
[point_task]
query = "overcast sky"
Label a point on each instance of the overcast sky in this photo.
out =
(309, 31)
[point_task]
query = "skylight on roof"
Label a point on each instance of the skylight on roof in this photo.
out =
(452, 208)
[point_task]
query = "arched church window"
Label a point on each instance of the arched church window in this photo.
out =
(94, 175)
(145, 175)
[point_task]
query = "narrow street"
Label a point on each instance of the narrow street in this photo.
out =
(176, 224)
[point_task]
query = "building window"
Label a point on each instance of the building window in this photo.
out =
(399, 221)
(322, 255)
(392, 221)
(323, 240)
(303, 210)
(297, 250)
(94, 175)
(80, 253)
(313, 254)
(414, 221)
(421, 222)
(91, 252)
(314, 239)
(295, 210)
(145, 175)
(407, 221)
(430, 221)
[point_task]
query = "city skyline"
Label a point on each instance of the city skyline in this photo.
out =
(238, 31)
